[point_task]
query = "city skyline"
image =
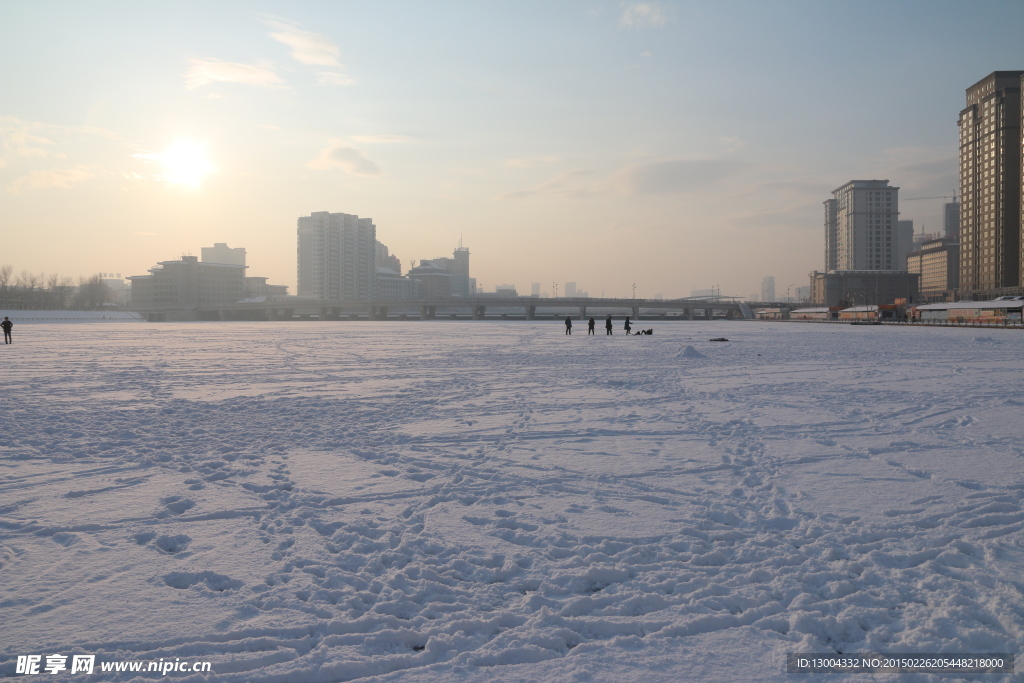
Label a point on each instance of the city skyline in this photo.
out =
(679, 146)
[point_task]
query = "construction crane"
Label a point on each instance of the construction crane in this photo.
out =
(954, 197)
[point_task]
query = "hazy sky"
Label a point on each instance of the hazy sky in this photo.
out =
(675, 145)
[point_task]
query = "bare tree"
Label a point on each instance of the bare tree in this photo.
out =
(27, 281)
(31, 291)
(92, 293)
(66, 287)
(58, 291)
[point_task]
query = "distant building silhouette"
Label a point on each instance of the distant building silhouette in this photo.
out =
(951, 220)
(256, 286)
(382, 258)
(863, 287)
(831, 235)
(430, 281)
(904, 243)
(119, 288)
(457, 266)
(186, 283)
(220, 252)
(336, 256)
(391, 285)
(768, 288)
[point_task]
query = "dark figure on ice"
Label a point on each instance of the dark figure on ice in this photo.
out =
(628, 328)
(7, 325)
(608, 325)
(590, 327)
(568, 325)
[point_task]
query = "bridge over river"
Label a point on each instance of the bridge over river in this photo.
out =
(475, 308)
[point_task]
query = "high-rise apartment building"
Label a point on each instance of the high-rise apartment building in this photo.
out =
(904, 242)
(462, 284)
(951, 220)
(990, 185)
(831, 228)
(860, 227)
(336, 256)
(768, 288)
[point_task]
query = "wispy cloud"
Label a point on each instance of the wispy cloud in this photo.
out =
(36, 139)
(785, 216)
(733, 143)
(570, 185)
(57, 177)
(307, 47)
(312, 49)
(334, 78)
(666, 177)
(347, 158)
(643, 15)
(385, 138)
(677, 176)
(24, 139)
(920, 170)
(530, 162)
(206, 71)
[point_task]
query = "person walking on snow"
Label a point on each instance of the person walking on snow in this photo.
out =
(590, 327)
(7, 325)
(608, 325)
(627, 325)
(568, 325)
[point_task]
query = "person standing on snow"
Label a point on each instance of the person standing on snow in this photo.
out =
(7, 325)
(628, 328)
(608, 325)
(568, 325)
(590, 327)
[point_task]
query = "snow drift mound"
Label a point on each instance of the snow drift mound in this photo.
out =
(689, 352)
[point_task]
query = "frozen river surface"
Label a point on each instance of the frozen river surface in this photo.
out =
(497, 501)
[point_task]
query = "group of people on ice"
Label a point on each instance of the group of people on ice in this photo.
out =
(607, 327)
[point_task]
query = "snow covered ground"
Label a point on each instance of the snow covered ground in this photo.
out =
(498, 502)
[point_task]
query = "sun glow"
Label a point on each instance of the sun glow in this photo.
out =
(185, 163)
